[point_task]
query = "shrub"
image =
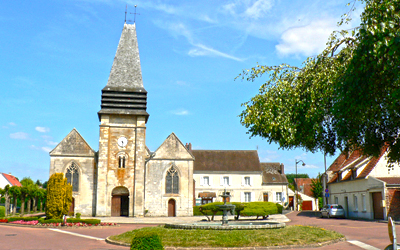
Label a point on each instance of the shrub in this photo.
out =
(11, 219)
(259, 208)
(239, 206)
(59, 196)
(210, 209)
(78, 215)
(2, 211)
(143, 240)
(280, 208)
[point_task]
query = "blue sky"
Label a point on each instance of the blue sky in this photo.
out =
(56, 57)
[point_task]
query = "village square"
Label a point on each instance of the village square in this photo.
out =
(131, 192)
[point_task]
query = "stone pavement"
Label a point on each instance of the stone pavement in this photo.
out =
(164, 220)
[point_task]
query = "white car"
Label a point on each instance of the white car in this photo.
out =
(332, 210)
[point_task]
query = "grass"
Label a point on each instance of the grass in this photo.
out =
(288, 236)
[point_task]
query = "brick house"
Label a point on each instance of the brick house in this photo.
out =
(367, 187)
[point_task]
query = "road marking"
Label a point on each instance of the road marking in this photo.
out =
(362, 245)
(79, 235)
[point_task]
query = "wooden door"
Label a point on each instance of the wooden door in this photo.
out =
(124, 205)
(171, 208)
(116, 206)
(378, 209)
(265, 197)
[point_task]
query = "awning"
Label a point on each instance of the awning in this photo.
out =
(207, 195)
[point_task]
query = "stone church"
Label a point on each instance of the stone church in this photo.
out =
(124, 178)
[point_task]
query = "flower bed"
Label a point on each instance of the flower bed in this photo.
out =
(55, 223)
(3, 220)
(22, 222)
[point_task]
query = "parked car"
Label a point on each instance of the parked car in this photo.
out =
(332, 210)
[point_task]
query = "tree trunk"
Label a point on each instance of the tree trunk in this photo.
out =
(22, 205)
(7, 203)
(14, 205)
(35, 200)
(29, 205)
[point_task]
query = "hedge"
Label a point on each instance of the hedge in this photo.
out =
(70, 220)
(2, 211)
(143, 240)
(260, 208)
(11, 219)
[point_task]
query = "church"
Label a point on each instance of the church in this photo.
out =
(124, 178)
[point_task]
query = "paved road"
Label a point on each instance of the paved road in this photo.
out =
(372, 233)
(12, 237)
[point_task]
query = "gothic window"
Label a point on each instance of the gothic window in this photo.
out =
(72, 176)
(172, 181)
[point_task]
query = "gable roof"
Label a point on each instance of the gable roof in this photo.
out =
(226, 160)
(354, 160)
(306, 183)
(172, 148)
(73, 145)
(12, 180)
(272, 173)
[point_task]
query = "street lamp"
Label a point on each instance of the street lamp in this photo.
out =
(296, 193)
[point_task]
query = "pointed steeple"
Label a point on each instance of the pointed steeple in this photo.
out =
(124, 92)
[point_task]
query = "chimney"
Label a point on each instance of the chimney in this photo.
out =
(282, 168)
(190, 146)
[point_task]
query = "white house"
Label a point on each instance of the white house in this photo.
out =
(367, 187)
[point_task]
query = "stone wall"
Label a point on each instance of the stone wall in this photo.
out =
(393, 203)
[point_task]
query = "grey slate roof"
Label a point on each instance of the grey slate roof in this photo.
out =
(272, 173)
(226, 160)
(124, 93)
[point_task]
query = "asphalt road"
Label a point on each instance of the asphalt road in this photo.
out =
(374, 235)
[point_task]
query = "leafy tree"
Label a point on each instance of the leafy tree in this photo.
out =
(59, 196)
(345, 98)
(5, 192)
(316, 189)
(15, 192)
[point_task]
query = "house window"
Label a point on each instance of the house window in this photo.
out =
(172, 181)
(72, 176)
(121, 161)
(355, 199)
(247, 197)
(364, 203)
(278, 196)
(206, 181)
(353, 174)
(225, 181)
(247, 181)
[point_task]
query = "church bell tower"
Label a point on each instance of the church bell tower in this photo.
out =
(122, 148)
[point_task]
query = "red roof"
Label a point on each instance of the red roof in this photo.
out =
(306, 183)
(390, 180)
(12, 180)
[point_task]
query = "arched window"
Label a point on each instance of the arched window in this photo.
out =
(172, 181)
(72, 175)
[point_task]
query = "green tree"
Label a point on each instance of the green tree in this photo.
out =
(345, 98)
(316, 189)
(4, 192)
(59, 196)
(15, 192)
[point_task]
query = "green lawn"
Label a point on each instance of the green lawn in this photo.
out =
(290, 235)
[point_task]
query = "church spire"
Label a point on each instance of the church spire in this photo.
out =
(124, 92)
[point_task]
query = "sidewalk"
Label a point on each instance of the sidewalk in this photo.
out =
(281, 218)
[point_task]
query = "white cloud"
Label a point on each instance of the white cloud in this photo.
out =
(12, 124)
(308, 40)
(203, 50)
(268, 155)
(180, 112)
(42, 129)
(259, 8)
(52, 143)
(46, 149)
(19, 136)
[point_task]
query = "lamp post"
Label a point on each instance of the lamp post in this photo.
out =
(296, 193)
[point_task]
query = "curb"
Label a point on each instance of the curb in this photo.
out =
(113, 242)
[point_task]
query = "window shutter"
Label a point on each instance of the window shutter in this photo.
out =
(251, 180)
(210, 183)
(274, 196)
(201, 181)
(284, 199)
(229, 180)
(243, 183)
(242, 197)
(253, 196)
(221, 180)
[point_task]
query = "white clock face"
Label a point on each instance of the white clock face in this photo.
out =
(122, 141)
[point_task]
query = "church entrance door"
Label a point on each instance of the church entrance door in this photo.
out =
(171, 208)
(120, 202)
